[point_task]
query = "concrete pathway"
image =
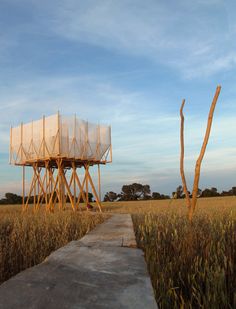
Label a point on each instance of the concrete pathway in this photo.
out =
(104, 269)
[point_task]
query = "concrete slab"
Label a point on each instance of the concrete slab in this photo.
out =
(88, 273)
(117, 231)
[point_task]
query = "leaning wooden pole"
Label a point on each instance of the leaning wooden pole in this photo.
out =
(188, 201)
(202, 152)
(192, 203)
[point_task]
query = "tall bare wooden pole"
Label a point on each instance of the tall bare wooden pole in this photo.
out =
(202, 152)
(182, 156)
(192, 203)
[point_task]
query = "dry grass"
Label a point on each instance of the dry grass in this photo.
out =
(191, 265)
(208, 206)
(26, 240)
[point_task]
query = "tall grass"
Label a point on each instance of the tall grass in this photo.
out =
(191, 265)
(27, 239)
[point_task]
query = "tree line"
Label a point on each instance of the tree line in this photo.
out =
(11, 198)
(137, 191)
(132, 192)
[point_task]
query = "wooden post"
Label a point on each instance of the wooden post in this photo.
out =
(52, 192)
(74, 182)
(188, 201)
(23, 188)
(34, 190)
(86, 177)
(99, 183)
(60, 184)
(81, 187)
(94, 191)
(46, 188)
(192, 203)
(32, 187)
(202, 152)
(68, 189)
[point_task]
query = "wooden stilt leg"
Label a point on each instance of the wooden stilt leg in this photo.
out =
(81, 187)
(86, 177)
(23, 188)
(74, 183)
(68, 190)
(46, 187)
(34, 191)
(94, 191)
(99, 183)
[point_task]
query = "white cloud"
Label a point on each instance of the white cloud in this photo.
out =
(195, 38)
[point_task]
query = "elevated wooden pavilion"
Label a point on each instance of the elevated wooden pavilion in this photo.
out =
(57, 147)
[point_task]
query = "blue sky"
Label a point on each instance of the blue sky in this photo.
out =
(129, 64)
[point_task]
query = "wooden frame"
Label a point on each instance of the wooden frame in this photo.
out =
(50, 185)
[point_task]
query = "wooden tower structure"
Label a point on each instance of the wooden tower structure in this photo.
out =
(57, 148)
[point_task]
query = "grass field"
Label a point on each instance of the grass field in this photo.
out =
(190, 265)
(26, 240)
(208, 206)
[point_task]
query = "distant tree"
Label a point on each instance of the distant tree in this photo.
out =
(226, 193)
(214, 190)
(165, 197)
(210, 192)
(134, 192)
(90, 197)
(233, 190)
(183, 195)
(199, 192)
(110, 196)
(3, 201)
(146, 195)
(178, 193)
(158, 196)
(13, 198)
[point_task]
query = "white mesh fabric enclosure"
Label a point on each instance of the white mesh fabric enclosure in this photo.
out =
(59, 136)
